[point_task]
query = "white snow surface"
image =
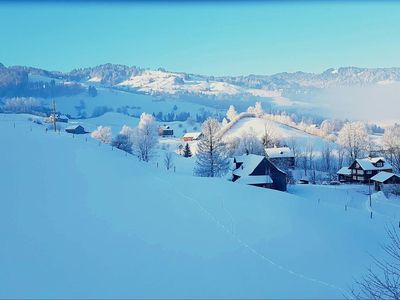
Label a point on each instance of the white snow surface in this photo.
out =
(79, 220)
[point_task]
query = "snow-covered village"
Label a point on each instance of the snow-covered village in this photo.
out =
(122, 181)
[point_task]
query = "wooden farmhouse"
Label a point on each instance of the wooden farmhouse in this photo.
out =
(258, 171)
(363, 169)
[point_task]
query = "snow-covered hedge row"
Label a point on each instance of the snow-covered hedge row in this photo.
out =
(236, 119)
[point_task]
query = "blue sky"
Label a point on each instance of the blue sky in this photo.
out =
(215, 39)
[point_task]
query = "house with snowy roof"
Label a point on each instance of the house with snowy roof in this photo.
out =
(75, 129)
(363, 169)
(281, 156)
(165, 131)
(192, 136)
(257, 170)
(383, 179)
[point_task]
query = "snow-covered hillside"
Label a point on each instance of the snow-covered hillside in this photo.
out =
(172, 83)
(79, 220)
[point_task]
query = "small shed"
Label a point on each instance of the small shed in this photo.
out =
(75, 129)
(385, 178)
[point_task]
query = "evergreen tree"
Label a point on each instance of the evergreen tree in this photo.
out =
(186, 151)
(211, 159)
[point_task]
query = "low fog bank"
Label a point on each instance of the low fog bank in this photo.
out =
(379, 103)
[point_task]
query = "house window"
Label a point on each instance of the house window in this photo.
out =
(357, 165)
(360, 172)
(354, 177)
(369, 172)
(360, 178)
(379, 164)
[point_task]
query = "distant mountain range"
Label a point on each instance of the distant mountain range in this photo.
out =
(162, 82)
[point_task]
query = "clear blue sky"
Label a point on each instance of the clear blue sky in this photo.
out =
(215, 39)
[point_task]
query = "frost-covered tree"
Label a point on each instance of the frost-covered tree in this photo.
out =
(123, 142)
(391, 142)
(354, 137)
(211, 159)
(269, 138)
(327, 127)
(231, 113)
(224, 122)
(258, 110)
(145, 137)
(103, 134)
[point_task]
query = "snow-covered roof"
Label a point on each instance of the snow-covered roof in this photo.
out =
(165, 127)
(383, 176)
(367, 164)
(344, 171)
(279, 152)
(194, 135)
(73, 126)
(249, 163)
(258, 179)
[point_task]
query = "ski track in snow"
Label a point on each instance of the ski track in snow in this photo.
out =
(247, 246)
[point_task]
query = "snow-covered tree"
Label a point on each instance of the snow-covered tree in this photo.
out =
(269, 138)
(327, 127)
(391, 142)
(145, 137)
(224, 122)
(123, 142)
(231, 113)
(103, 134)
(211, 159)
(258, 110)
(354, 137)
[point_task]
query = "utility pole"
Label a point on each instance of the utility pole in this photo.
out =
(369, 192)
(54, 116)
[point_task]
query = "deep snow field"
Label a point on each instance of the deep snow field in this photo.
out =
(79, 220)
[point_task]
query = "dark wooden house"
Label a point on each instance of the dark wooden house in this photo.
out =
(75, 129)
(283, 157)
(385, 178)
(258, 171)
(363, 169)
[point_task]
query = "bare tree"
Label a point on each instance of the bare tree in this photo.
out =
(354, 137)
(382, 281)
(391, 141)
(168, 160)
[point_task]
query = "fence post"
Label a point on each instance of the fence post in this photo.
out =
(371, 215)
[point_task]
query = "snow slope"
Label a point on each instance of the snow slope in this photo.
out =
(78, 220)
(280, 131)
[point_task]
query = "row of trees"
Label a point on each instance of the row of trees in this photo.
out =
(140, 141)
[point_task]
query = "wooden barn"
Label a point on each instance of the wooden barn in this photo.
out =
(363, 169)
(258, 171)
(385, 178)
(75, 129)
(192, 136)
(165, 131)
